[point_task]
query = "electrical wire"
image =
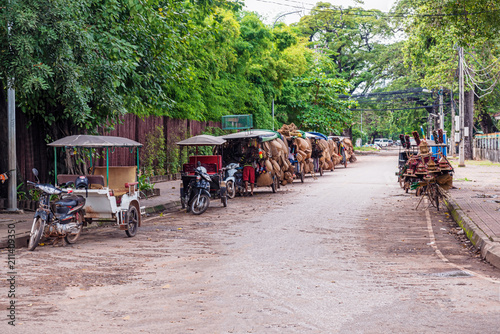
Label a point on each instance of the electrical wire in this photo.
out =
(393, 109)
(473, 83)
(381, 14)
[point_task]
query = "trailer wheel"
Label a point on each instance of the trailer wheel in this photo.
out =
(132, 221)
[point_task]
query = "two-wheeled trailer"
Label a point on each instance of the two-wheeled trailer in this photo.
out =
(196, 170)
(112, 194)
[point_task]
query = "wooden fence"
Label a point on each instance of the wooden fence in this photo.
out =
(32, 151)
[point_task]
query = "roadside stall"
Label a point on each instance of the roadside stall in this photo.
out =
(421, 169)
(202, 177)
(112, 190)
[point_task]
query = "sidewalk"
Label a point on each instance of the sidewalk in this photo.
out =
(475, 205)
(167, 201)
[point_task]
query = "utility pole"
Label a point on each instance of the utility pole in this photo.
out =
(452, 130)
(461, 153)
(441, 113)
(272, 107)
(11, 125)
(297, 11)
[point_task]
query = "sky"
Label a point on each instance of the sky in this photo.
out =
(270, 9)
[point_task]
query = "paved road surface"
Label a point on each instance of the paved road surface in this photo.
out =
(346, 252)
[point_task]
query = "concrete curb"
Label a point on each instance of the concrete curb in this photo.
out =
(21, 238)
(490, 251)
(169, 207)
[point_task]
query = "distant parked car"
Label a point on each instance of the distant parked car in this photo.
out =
(382, 142)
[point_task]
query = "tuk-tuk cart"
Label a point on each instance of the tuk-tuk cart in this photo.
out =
(112, 193)
(212, 165)
(232, 153)
(314, 137)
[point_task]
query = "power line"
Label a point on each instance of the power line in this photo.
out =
(393, 109)
(413, 91)
(381, 14)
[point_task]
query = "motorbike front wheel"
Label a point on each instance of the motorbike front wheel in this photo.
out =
(230, 188)
(36, 233)
(200, 204)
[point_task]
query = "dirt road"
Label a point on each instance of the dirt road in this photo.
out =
(346, 252)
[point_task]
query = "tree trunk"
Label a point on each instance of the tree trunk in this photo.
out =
(486, 122)
(347, 133)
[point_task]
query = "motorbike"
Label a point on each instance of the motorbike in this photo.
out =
(62, 219)
(196, 197)
(234, 180)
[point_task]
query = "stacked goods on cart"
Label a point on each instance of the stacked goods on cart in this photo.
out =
(288, 130)
(423, 167)
(334, 152)
(349, 150)
(275, 154)
(326, 156)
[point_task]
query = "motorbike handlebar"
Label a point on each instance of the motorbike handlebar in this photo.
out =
(38, 185)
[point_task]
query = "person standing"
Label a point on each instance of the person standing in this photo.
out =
(248, 160)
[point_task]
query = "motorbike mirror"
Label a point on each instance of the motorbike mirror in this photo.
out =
(35, 171)
(199, 163)
(69, 184)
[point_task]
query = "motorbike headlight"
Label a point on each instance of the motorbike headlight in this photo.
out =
(49, 189)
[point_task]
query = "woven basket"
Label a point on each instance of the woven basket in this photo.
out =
(264, 179)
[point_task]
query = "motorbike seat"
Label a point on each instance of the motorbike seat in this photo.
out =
(70, 201)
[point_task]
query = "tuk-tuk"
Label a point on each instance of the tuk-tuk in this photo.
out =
(112, 190)
(196, 168)
(233, 153)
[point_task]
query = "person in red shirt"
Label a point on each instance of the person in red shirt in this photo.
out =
(250, 154)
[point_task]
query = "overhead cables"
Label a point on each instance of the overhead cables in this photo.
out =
(480, 77)
(347, 11)
(393, 109)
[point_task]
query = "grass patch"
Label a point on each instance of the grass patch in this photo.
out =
(486, 163)
(366, 149)
(464, 179)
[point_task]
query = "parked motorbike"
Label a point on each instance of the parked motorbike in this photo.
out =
(234, 180)
(63, 219)
(197, 195)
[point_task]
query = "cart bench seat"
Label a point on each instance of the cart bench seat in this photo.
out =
(189, 168)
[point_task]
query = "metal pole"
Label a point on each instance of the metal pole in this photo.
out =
(297, 11)
(461, 153)
(12, 155)
(11, 107)
(55, 166)
(138, 167)
(441, 113)
(273, 112)
(107, 167)
(452, 132)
